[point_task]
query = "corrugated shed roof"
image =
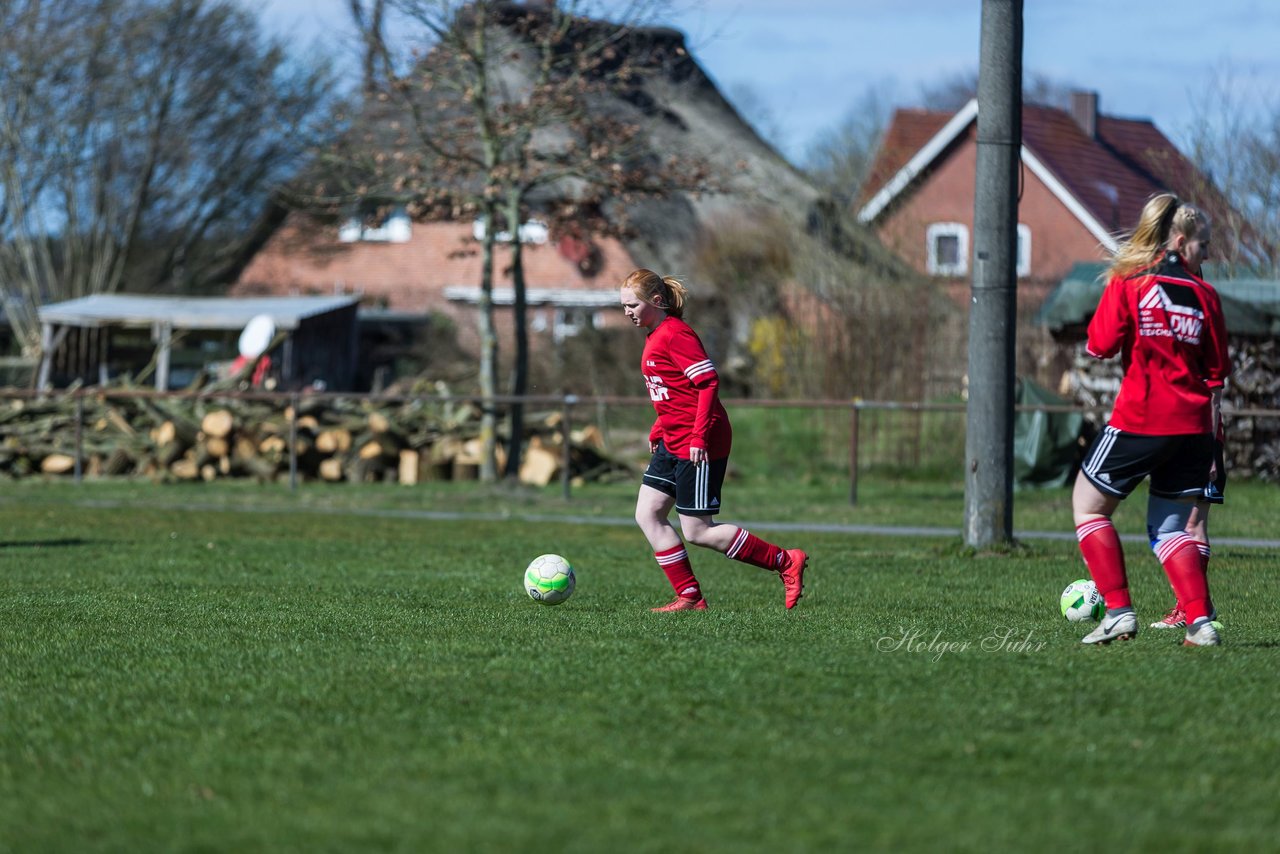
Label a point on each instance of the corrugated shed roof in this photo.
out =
(189, 312)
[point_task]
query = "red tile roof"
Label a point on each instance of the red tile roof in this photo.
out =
(907, 133)
(1111, 175)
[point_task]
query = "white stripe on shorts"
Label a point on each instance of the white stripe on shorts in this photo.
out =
(1099, 456)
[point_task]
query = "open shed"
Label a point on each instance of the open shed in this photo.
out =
(81, 337)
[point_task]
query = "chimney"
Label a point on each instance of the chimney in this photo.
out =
(1084, 109)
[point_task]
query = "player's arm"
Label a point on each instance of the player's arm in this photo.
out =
(689, 356)
(708, 390)
(1110, 321)
(1217, 359)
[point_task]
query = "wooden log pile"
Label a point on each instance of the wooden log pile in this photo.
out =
(1253, 441)
(336, 439)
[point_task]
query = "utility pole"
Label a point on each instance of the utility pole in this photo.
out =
(988, 482)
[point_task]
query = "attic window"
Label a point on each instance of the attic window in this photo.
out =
(396, 228)
(947, 249)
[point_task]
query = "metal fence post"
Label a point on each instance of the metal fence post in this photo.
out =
(566, 425)
(293, 442)
(79, 437)
(854, 409)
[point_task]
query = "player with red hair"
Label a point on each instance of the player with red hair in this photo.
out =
(690, 442)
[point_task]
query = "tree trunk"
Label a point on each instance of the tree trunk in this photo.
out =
(488, 350)
(520, 320)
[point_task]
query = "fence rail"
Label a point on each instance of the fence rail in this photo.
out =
(871, 438)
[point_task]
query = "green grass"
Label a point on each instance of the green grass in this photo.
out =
(178, 674)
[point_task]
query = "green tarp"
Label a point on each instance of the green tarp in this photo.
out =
(1045, 444)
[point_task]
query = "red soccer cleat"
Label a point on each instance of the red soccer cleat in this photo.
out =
(792, 573)
(1175, 619)
(682, 603)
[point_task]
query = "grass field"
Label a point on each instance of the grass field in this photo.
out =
(330, 673)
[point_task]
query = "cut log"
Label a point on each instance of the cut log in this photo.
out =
(372, 450)
(170, 432)
(410, 467)
(589, 436)
(331, 469)
(244, 448)
(118, 421)
(539, 466)
(57, 464)
(217, 446)
(335, 440)
(218, 424)
(185, 469)
(272, 445)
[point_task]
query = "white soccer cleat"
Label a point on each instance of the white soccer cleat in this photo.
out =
(1202, 634)
(1120, 627)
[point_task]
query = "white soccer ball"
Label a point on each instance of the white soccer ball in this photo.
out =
(1081, 601)
(549, 579)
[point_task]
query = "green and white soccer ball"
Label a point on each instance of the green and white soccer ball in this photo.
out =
(549, 579)
(1081, 601)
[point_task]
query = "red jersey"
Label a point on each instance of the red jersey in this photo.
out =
(683, 386)
(1168, 326)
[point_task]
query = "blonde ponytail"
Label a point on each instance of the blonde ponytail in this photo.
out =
(1163, 217)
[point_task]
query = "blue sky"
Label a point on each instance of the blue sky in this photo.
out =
(797, 66)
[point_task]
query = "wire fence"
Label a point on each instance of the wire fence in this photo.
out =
(814, 439)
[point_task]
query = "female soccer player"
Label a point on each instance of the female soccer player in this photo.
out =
(1166, 322)
(690, 442)
(1198, 525)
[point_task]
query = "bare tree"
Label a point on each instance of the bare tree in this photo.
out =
(838, 158)
(503, 110)
(1234, 141)
(139, 142)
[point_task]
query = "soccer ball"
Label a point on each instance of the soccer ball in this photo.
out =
(1081, 601)
(549, 579)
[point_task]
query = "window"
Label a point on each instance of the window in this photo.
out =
(396, 228)
(1024, 251)
(948, 249)
(533, 231)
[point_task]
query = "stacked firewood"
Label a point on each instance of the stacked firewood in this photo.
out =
(1253, 441)
(325, 438)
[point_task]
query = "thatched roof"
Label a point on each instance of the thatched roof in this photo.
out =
(681, 112)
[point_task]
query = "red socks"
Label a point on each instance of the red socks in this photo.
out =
(749, 548)
(1185, 565)
(675, 563)
(1103, 554)
(745, 547)
(1205, 553)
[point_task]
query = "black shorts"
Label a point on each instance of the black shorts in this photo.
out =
(1178, 465)
(696, 488)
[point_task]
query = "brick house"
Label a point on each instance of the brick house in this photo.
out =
(1085, 178)
(416, 268)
